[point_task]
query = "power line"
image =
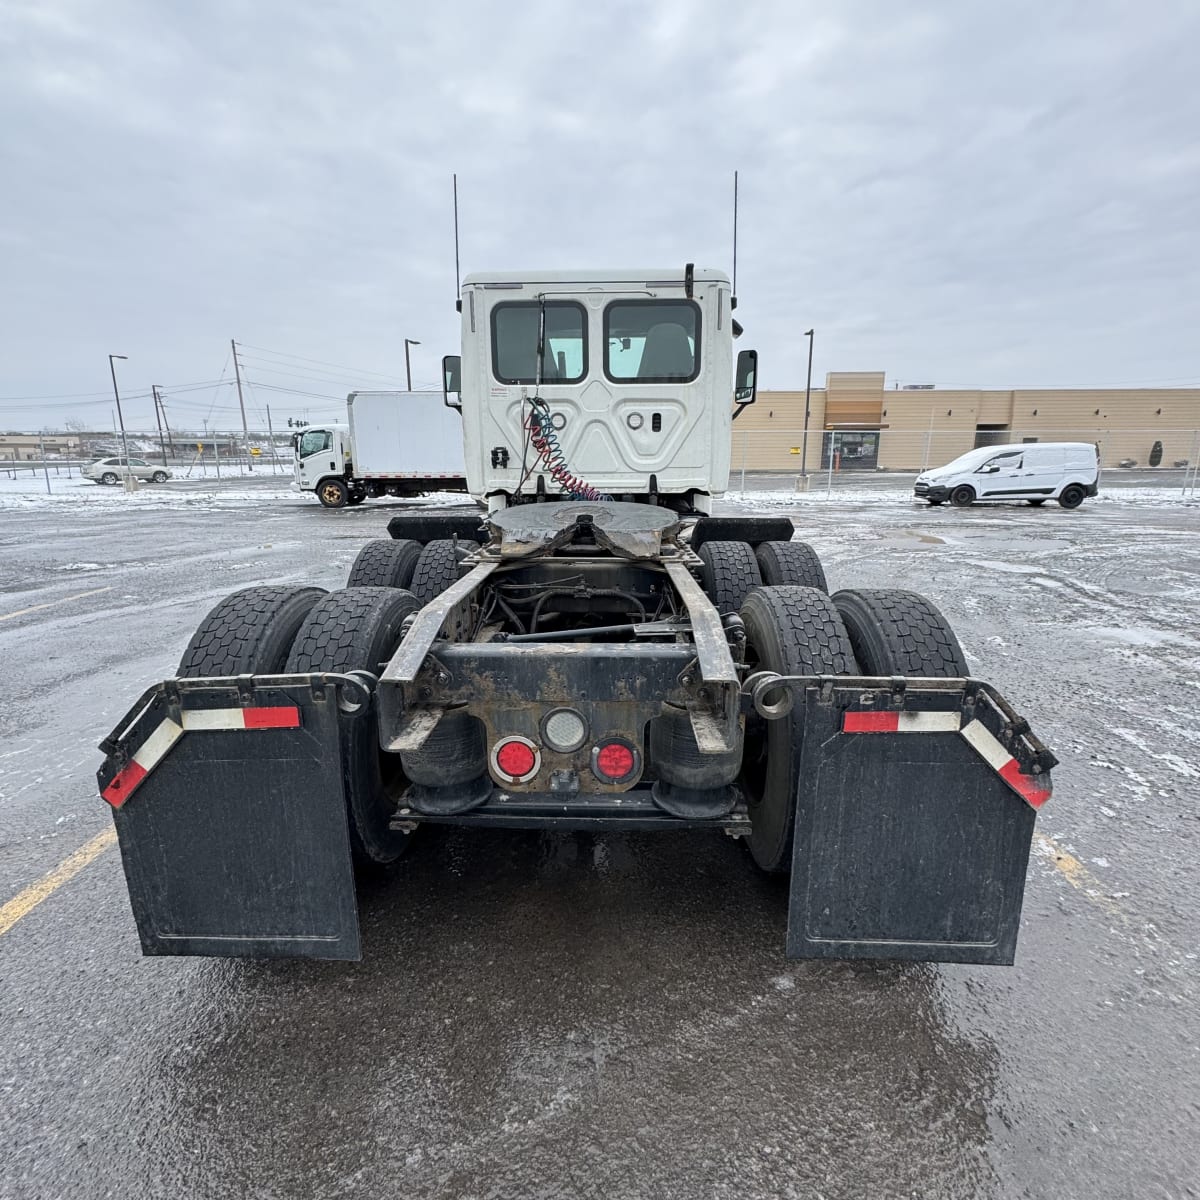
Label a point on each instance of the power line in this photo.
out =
(320, 361)
(271, 369)
(296, 391)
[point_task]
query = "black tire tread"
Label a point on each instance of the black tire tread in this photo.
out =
(436, 569)
(385, 562)
(338, 631)
(804, 636)
(348, 631)
(249, 632)
(896, 632)
(790, 563)
(729, 574)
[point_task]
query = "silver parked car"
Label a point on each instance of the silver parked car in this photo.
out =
(112, 470)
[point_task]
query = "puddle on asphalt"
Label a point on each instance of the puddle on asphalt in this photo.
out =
(917, 535)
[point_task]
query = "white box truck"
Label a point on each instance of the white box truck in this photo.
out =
(394, 444)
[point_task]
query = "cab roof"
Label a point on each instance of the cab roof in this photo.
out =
(636, 275)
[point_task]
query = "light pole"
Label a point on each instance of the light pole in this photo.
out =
(808, 333)
(407, 365)
(120, 416)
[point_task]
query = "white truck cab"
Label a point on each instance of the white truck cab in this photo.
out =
(1031, 471)
(631, 395)
(320, 453)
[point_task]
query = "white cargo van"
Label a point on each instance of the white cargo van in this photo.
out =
(1032, 471)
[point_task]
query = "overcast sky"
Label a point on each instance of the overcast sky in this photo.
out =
(972, 194)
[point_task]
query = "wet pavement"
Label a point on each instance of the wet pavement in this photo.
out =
(613, 1016)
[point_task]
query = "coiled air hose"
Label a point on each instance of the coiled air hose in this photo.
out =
(543, 437)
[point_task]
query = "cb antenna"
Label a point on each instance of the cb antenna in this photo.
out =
(734, 292)
(457, 273)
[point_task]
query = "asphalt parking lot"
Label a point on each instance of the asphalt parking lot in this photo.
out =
(613, 1016)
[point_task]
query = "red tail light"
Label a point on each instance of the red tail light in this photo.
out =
(614, 761)
(516, 759)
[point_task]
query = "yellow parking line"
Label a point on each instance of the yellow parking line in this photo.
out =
(1077, 875)
(23, 903)
(51, 603)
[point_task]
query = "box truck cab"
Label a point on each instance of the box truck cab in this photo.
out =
(321, 456)
(1031, 471)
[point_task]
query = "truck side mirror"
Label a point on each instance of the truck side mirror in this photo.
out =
(745, 387)
(452, 381)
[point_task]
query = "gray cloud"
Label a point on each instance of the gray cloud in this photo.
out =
(968, 194)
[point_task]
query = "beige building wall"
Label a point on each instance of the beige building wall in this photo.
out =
(919, 428)
(28, 446)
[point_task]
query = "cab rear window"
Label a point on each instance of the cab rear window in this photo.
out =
(652, 341)
(515, 333)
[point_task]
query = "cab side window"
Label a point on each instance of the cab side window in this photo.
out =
(1004, 462)
(314, 441)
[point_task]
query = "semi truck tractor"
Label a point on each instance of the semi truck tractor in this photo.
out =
(596, 648)
(393, 444)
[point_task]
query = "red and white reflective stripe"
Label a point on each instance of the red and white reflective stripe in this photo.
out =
(280, 717)
(155, 748)
(901, 722)
(149, 754)
(990, 749)
(982, 740)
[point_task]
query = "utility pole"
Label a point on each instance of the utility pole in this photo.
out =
(237, 374)
(808, 333)
(407, 365)
(271, 435)
(120, 415)
(162, 404)
(158, 417)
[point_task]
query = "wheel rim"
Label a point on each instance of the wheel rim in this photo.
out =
(331, 493)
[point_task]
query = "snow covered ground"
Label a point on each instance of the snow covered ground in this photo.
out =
(28, 490)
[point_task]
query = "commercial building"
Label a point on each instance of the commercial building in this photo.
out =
(27, 447)
(868, 426)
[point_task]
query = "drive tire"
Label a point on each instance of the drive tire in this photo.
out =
(894, 632)
(358, 629)
(793, 563)
(333, 493)
(435, 570)
(793, 631)
(385, 562)
(249, 633)
(109, 477)
(963, 496)
(729, 574)
(1072, 496)
(159, 477)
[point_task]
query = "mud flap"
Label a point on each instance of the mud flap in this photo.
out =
(228, 803)
(915, 814)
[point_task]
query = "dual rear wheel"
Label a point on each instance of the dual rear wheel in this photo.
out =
(801, 631)
(793, 627)
(286, 630)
